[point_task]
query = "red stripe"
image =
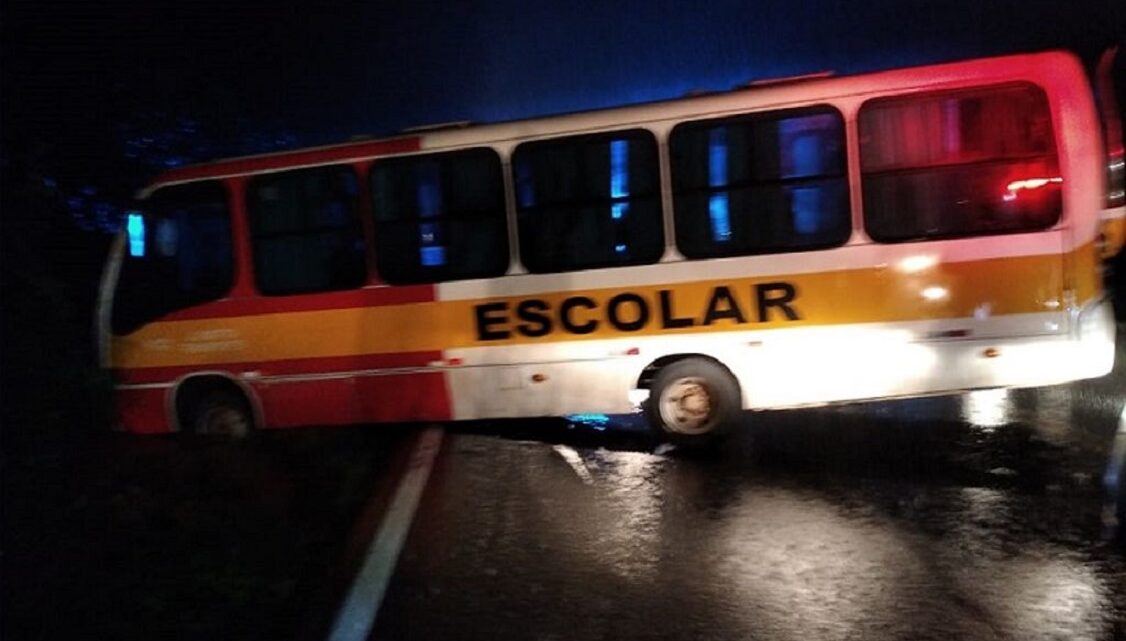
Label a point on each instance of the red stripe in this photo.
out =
(142, 411)
(420, 396)
(374, 296)
(287, 159)
(288, 367)
(400, 397)
(330, 402)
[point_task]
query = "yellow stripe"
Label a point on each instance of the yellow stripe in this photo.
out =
(1114, 236)
(1006, 285)
(1087, 271)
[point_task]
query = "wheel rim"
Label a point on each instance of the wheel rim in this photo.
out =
(686, 406)
(224, 421)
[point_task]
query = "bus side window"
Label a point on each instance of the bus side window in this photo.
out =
(590, 201)
(959, 163)
(306, 232)
(439, 217)
(179, 254)
(760, 183)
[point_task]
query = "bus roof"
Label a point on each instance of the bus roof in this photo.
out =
(285, 159)
(766, 94)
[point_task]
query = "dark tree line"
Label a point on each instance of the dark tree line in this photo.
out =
(66, 185)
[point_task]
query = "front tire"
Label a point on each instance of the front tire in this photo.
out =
(693, 401)
(221, 414)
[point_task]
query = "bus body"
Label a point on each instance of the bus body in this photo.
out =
(900, 233)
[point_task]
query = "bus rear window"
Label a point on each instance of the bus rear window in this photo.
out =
(960, 163)
(177, 254)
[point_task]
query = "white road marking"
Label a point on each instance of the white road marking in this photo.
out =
(576, 462)
(357, 615)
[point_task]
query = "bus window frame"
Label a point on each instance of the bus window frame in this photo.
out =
(821, 106)
(377, 275)
(602, 135)
(251, 182)
(906, 96)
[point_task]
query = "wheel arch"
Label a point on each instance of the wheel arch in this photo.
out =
(649, 372)
(191, 386)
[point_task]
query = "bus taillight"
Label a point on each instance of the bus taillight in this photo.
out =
(1028, 184)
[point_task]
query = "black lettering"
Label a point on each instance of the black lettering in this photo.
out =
(533, 311)
(569, 323)
(668, 321)
(764, 294)
(613, 312)
(487, 318)
(722, 305)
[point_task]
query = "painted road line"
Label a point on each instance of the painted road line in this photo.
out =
(575, 461)
(357, 615)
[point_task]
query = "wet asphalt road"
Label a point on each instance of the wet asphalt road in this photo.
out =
(975, 517)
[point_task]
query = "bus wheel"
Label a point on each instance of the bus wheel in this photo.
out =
(692, 401)
(222, 413)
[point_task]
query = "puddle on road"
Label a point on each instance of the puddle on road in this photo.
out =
(787, 558)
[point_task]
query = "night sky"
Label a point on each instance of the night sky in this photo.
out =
(89, 79)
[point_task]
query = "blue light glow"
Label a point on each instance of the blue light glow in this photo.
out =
(619, 183)
(721, 221)
(429, 194)
(808, 156)
(803, 145)
(598, 421)
(806, 206)
(717, 157)
(619, 168)
(805, 156)
(717, 177)
(135, 228)
(433, 256)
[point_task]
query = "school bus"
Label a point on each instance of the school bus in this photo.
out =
(787, 244)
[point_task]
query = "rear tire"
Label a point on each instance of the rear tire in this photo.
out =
(221, 414)
(693, 402)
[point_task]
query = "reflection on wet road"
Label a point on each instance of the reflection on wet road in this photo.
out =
(974, 517)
